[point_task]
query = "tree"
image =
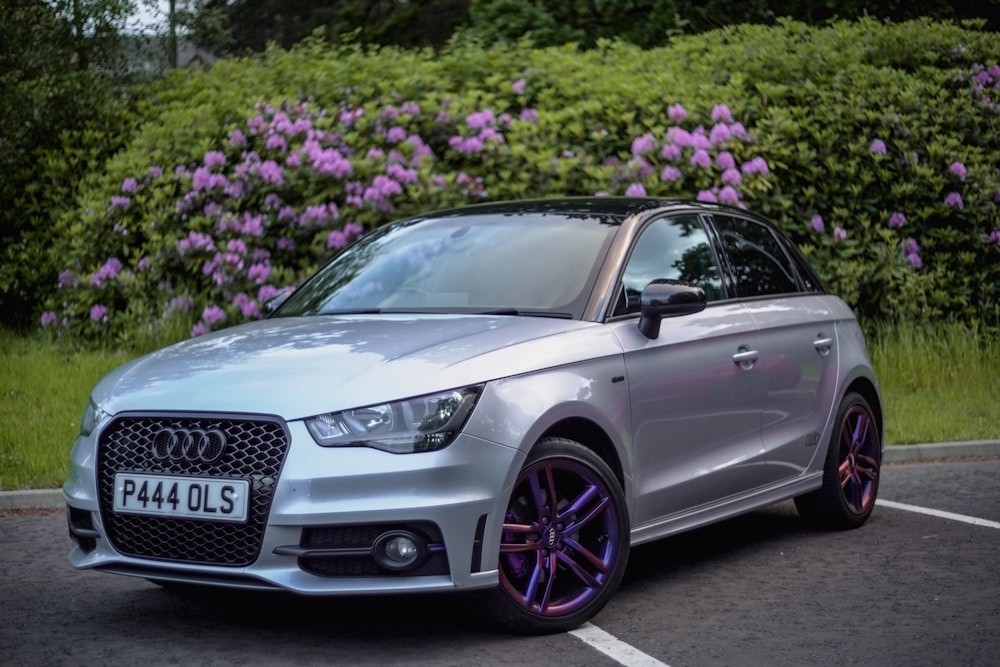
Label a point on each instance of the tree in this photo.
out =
(642, 22)
(241, 26)
(60, 63)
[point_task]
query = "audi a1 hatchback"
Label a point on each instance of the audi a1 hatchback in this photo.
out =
(501, 398)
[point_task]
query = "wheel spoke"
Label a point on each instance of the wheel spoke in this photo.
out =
(517, 547)
(592, 558)
(572, 566)
(536, 576)
(581, 500)
(860, 435)
(596, 511)
(845, 471)
(520, 528)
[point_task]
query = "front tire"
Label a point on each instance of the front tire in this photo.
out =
(851, 472)
(565, 541)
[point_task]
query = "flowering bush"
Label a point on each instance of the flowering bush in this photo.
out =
(222, 201)
(215, 238)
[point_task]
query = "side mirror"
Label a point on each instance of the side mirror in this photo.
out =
(667, 298)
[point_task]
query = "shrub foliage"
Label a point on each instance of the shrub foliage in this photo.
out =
(875, 146)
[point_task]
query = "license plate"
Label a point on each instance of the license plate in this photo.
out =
(203, 498)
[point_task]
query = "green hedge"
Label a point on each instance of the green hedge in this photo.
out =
(804, 111)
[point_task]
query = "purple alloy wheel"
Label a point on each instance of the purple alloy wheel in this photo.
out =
(560, 538)
(860, 457)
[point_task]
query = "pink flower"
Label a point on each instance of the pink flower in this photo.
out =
(518, 87)
(701, 158)
(48, 318)
(670, 173)
(395, 134)
(120, 202)
(129, 185)
(110, 269)
(99, 313)
(725, 160)
(529, 115)
(671, 152)
(214, 159)
(954, 199)
(839, 234)
(198, 329)
(677, 112)
(721, 112)
(644, 144)
(732, 177)
(816, 224)
(636, 190)
(956, 168)
(729, 195)
(897, 220)
(259, 273)
(707, 196)
(480, 120)
(213, 315)
(271, 172)
(719, 134)
(878, 147)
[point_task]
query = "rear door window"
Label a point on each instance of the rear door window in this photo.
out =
(758, 261)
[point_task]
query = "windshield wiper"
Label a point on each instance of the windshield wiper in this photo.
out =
(353, 311)
(526, 313)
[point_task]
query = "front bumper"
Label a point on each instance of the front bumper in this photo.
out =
(454, 496)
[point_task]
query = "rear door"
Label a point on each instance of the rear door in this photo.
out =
(797, 338)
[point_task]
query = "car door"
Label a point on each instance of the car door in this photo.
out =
(797, 339)
(695, 410)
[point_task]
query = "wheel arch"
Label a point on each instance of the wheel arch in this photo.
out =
(870, 393)
(592, 436)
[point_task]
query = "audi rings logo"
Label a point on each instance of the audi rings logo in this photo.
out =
(189, 444)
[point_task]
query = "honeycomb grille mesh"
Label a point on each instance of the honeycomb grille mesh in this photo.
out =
(256, 452)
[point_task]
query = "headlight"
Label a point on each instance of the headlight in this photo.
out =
(90, 418)
(421, 424)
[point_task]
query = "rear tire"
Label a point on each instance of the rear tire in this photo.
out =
(565, 541)
(851, 472)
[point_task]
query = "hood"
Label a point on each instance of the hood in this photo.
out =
(299, 367)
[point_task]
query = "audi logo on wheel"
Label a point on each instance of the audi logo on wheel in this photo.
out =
(189, 444)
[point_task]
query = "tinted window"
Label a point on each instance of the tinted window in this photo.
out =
(521, 262)
(757, 258)
(675, 248)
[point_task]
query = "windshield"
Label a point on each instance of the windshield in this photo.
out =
(524, 263)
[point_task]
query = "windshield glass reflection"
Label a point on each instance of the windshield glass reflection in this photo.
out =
(524, 263)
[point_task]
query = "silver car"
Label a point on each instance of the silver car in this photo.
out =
(502, 398)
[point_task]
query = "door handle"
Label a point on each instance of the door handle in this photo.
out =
(745, 357)
(823, 345)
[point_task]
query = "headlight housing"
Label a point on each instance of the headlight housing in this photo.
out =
(421, 424)
(90, 418)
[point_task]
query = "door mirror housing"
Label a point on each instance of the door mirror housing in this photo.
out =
(668, 298)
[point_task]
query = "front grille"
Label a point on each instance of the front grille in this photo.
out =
(256, 452)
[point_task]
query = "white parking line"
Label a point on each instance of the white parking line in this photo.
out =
(614, 648)
(625, 654)
(938, 513)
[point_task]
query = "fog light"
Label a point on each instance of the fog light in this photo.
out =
(399, 550)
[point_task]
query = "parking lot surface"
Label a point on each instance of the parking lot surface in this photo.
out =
(909, 588)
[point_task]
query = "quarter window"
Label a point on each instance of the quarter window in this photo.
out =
(675, 248)
(758, 261)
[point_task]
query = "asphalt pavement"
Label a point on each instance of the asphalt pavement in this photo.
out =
(53, 498)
